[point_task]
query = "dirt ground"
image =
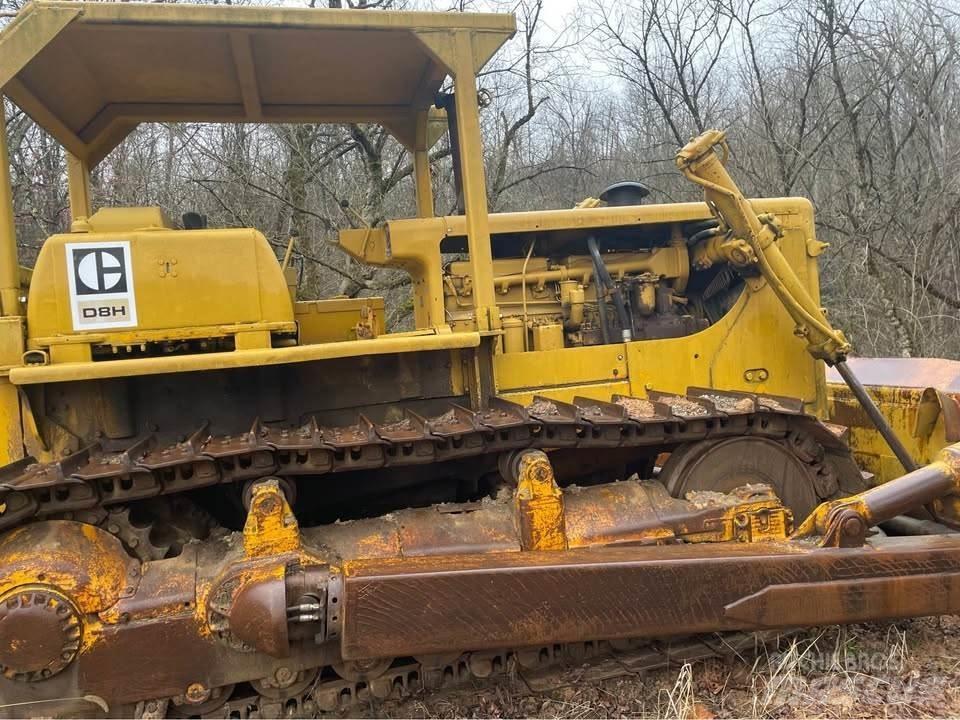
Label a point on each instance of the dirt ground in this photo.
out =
(907, 669)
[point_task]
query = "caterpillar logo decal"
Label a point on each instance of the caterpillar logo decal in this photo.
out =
(101, 285)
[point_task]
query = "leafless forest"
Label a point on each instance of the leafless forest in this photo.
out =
(852, 103)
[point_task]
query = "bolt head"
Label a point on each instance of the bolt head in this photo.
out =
(284, 676)
(197, 693)
(852, 526)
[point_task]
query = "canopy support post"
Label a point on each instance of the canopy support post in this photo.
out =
(474, 184)
(78, 183)
(9, 266)
(421, 168)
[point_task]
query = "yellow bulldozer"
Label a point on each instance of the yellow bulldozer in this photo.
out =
(611, 424)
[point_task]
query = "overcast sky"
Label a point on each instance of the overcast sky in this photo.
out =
(556, 12)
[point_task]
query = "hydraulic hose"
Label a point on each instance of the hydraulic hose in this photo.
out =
(602, 309)
(603, 277)
(702, 235)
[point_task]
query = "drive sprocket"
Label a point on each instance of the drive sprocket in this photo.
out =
(158, 528)
(800, 480)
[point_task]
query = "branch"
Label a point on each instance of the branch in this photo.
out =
(538, 173)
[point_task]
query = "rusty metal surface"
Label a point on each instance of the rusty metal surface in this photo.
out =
(798, 478)
(644, 512)
(850, 601)
(631, 511)
(48, 622)
(272, 604)
(441, 529)
(415, 606)
(918, 397)
(936, 374)
(539, 503)
(86, 563)
(199, 659)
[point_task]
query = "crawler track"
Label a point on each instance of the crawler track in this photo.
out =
(105, 474)
(541, 669)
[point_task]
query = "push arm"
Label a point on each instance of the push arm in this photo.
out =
(747, 239)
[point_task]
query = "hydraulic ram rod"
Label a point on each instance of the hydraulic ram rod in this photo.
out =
(885, 502)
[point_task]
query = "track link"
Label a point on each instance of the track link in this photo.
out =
(540, 669)
(102, 475)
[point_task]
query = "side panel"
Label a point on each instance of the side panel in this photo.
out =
(70, 414)
(179, 281)
(752, 348)
(336, 320)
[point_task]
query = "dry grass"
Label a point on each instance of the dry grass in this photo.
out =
(908, 669)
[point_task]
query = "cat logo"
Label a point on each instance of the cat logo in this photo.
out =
(100, 270)
(101, 285)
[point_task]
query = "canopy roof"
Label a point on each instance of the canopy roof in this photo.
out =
(90, 72)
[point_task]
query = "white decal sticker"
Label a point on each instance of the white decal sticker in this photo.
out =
(101, 285)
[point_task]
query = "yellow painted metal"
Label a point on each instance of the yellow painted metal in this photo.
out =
(90, 565)
(547, 337)
(384, 345)
(736, 353)
(559, 368)
(236, 64)
(421, 167)
(11, 425)
(474, 185)
(566, 393)
(227, 284)
(200, 283)
(753, 244)
(666, 262)
(336, 320)
(938, 482)
(752, 520)
(733, 354)
(544, 274)
(919, 397)
(31, 31)
(721, 356)
(460, 52)
(514, 335)
(413, 245)
(9, 267)
(902, 408)
(271, 527)
(407, 247)
(78, 182)
(125, 219)
(539, 504)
